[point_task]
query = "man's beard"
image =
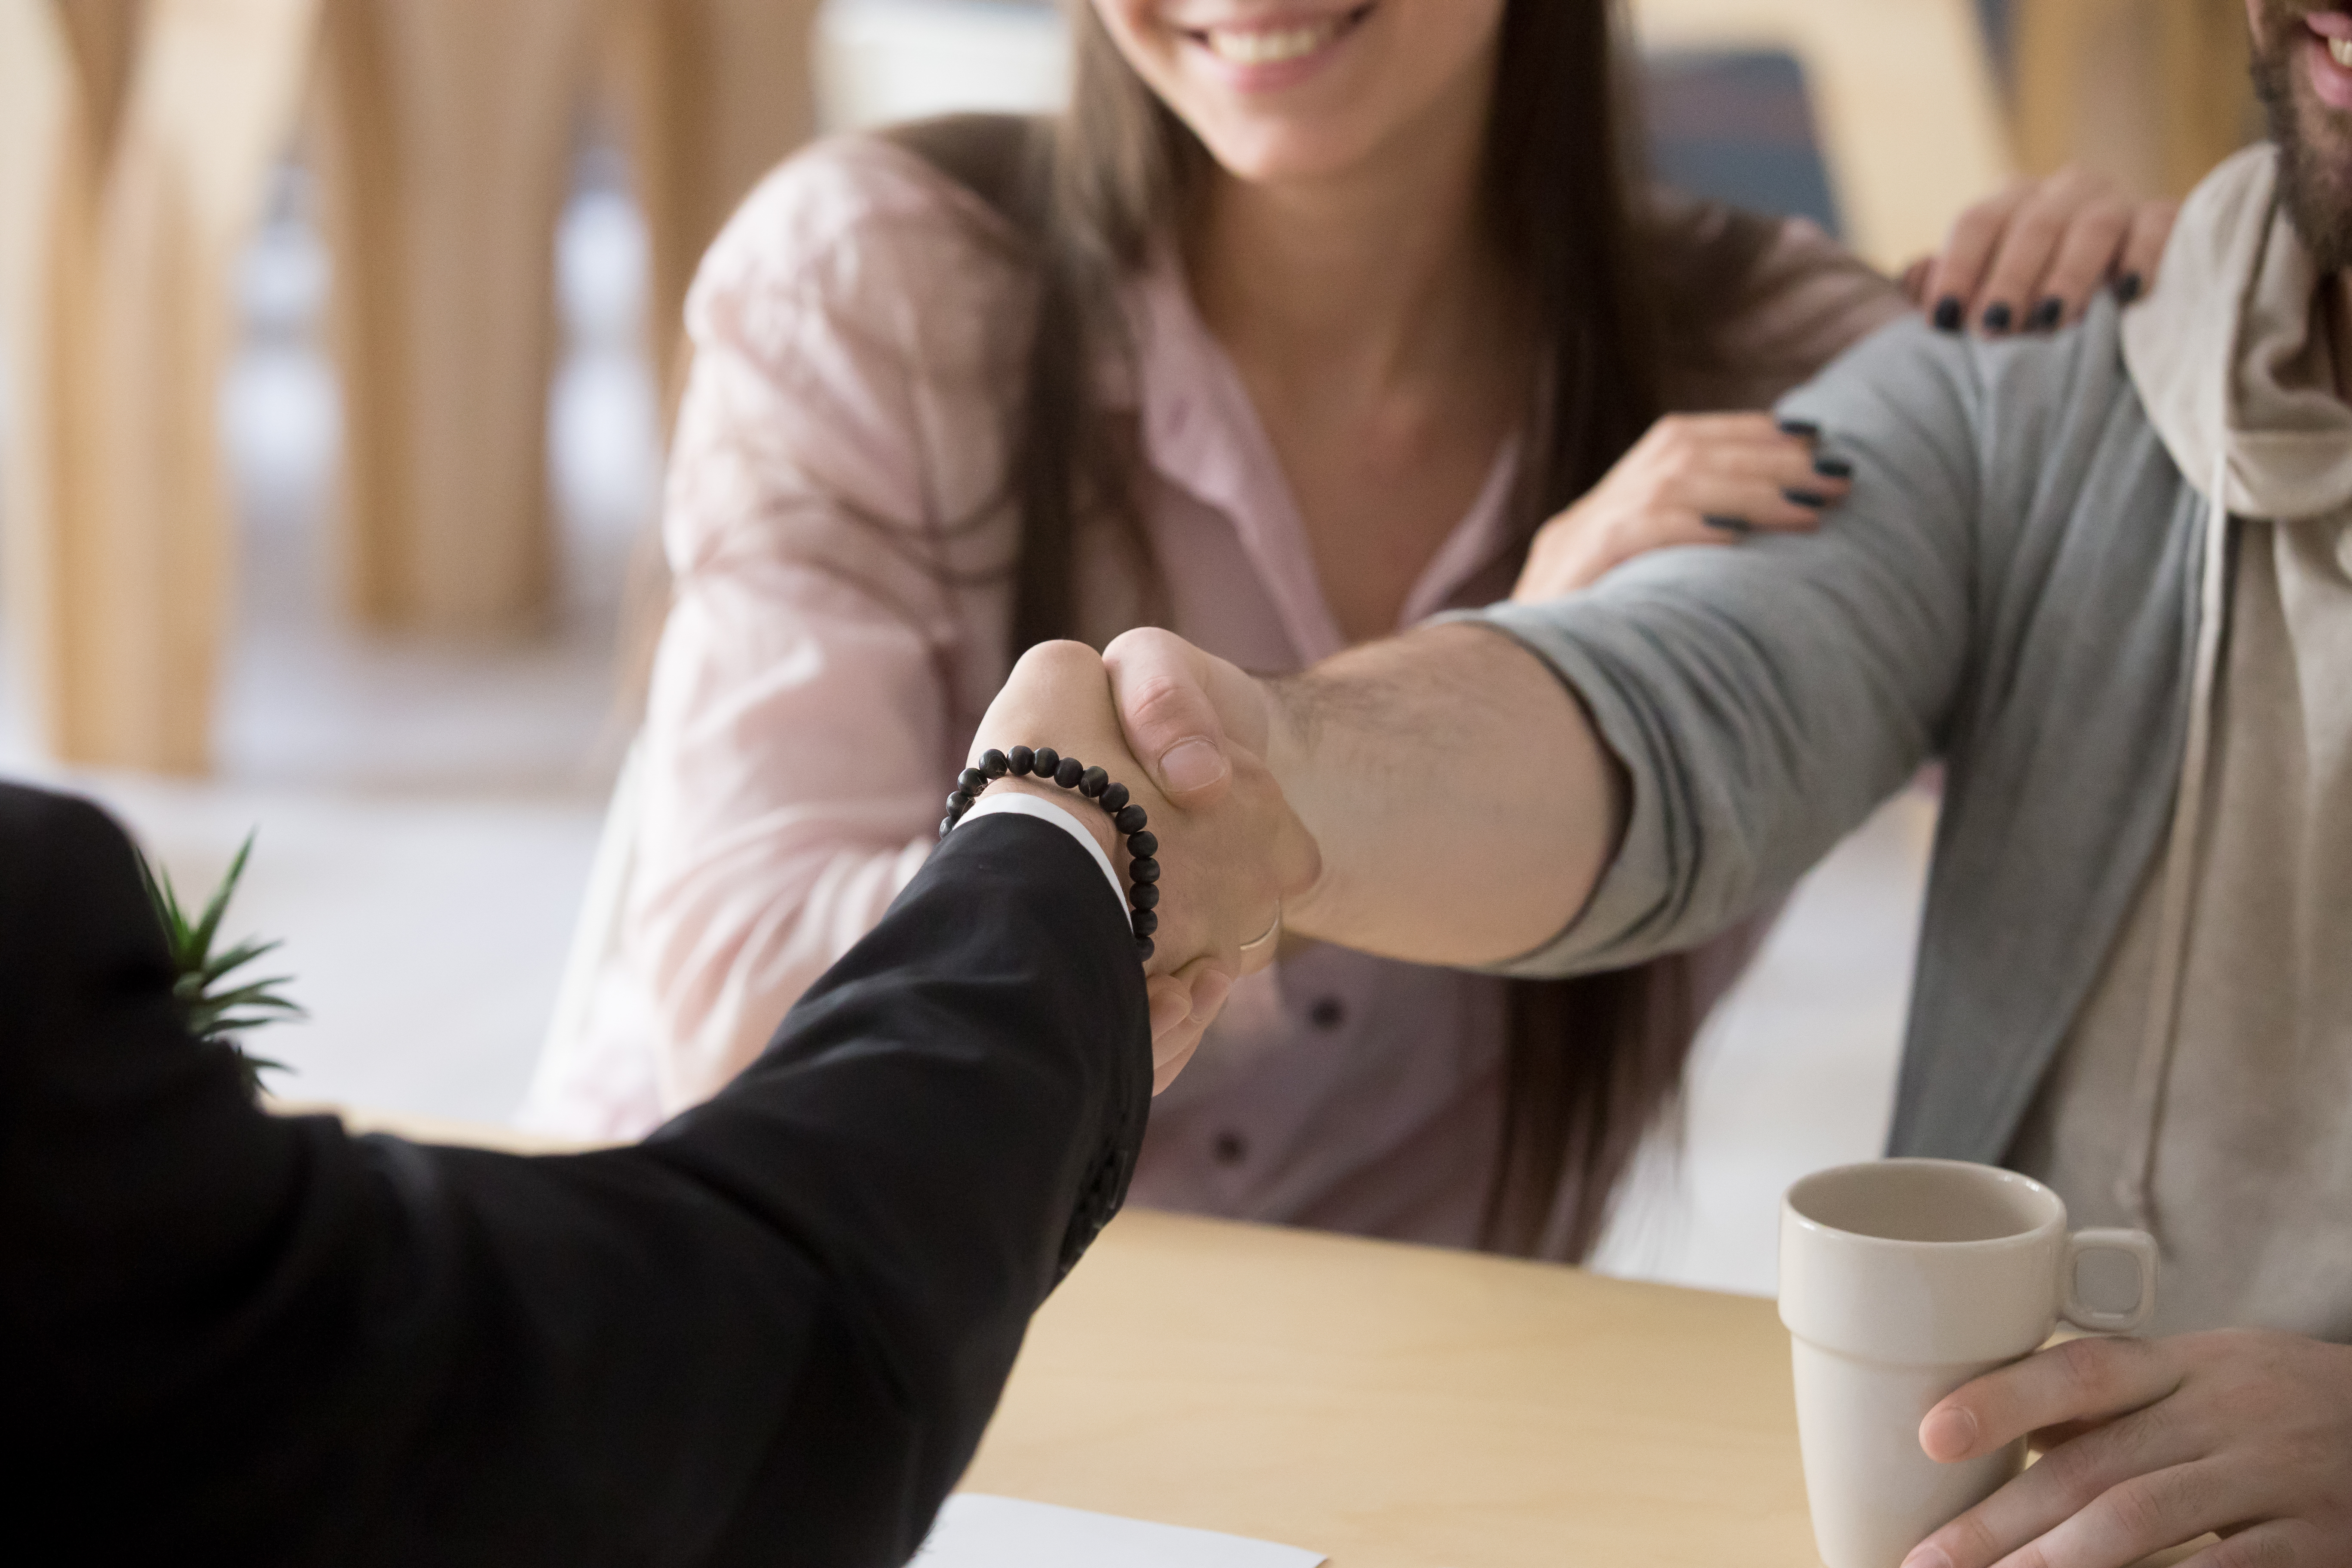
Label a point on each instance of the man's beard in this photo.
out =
(2317, 189)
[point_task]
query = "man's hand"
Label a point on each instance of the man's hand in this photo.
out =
(1229, 853)
(2152, 1443)
(1461, 805)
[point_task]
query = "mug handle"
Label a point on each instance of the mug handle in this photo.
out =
(2141, 1247)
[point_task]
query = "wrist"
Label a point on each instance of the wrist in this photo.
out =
(1292, 758)
(1077, 808)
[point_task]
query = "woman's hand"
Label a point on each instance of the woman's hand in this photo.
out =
(2153, 1443)
(2031, 258)
(1693, 479)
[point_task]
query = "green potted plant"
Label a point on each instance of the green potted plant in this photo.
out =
(219, 1009)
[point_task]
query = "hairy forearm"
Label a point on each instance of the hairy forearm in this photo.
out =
(1462, 803)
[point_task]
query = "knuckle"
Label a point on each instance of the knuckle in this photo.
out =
(1655, 491)
(1145, 643)
(2078, 1472)
(1977, 1541)
(2086, 1370)
(2148, 1432)
(1163, 703)
(1052, 658)
(2258, 1548)
(2137, 1508)
(1053, 671)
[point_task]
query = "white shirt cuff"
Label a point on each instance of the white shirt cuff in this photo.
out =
(1064, 818)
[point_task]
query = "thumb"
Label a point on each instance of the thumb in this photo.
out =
(1160, 683)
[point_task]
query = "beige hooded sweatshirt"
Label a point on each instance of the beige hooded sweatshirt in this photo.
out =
(2205, 1091)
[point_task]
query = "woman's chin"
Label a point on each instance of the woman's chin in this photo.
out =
(1264, 153)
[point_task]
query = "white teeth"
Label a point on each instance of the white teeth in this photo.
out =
(2341, 50)
(1265, 48)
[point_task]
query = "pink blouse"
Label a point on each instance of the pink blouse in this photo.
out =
(839, 541)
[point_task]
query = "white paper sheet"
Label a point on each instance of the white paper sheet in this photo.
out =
(976, 1531)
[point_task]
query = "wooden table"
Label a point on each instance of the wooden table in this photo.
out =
(1400, 1405)
(1390, 1406)
(1405, 1407)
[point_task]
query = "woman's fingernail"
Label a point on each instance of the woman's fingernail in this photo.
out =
(1927, 1557)
(1189, 765)
(2127, 288)
(1727, 524)
(1834, 468)
(1802, 429)
(1948, 311)
(1997, 316)
(2045, 315)
(1806, 498)
(1948, 1433)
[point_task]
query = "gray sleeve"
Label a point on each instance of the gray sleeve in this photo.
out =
(1764, 698)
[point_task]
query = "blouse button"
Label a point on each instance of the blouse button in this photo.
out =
(1328, 1013)
(1230, 1149)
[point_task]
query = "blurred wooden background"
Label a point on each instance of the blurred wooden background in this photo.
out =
(138, 137)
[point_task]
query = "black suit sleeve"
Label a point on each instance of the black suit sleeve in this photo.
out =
(771, 1334)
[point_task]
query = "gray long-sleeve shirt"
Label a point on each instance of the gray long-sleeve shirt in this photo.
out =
(2012, 586)
(2131, 979)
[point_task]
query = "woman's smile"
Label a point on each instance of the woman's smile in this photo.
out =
(1268, 52)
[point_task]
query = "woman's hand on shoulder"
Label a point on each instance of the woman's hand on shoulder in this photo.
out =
(2029, 258)
(1694, 478)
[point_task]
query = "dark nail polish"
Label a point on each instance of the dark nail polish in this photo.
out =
(1806, 498)
(1948, 311)
(2045, 315)
(1834, 468)
(1997, 316)
(2127, 288)
(1802, 429)
(1727, 524)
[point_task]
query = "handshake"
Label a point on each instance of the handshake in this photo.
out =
(1189, 736)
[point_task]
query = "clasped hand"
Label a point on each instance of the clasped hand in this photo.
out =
(1228, 855)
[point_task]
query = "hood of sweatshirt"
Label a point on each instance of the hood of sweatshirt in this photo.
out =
(2234, 359)
(2231, 354)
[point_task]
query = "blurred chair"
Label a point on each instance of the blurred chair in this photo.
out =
(446, 132)
(443, 142)
(712, 94)
(2152, 92)
(136, 141)
(1901, 91)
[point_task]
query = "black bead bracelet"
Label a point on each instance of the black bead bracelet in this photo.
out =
(1048, 766)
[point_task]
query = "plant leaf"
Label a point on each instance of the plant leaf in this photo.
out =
(165, 901)
(217, 1018)
(257, 994)
(209, 927)
(235, 958)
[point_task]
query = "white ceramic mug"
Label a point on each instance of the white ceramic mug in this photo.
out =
(1900, 1281)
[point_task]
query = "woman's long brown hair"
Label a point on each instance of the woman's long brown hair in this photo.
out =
(1592, 1062)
